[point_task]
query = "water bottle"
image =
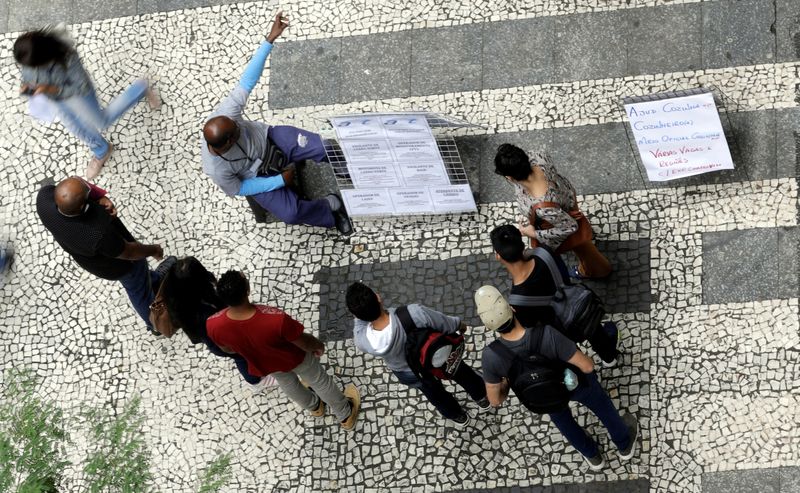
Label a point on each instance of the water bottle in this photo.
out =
(570, 379)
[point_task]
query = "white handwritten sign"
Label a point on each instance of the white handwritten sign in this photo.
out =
(679, 137)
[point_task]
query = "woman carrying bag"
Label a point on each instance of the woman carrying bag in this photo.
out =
(59, 87)
(549, 205)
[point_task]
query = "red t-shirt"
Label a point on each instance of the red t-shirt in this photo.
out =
(264, 340)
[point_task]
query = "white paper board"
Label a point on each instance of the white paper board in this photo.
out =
(679, 137)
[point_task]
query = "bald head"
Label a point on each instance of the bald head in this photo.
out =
(71, 195)
(220, 133)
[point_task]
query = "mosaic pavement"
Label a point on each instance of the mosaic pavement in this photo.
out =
(705, 291)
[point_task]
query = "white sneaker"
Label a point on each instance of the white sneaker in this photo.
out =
(596, 463)
(153, 98)
(262, 385)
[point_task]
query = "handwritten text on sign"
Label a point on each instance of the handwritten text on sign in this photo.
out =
(679, 137)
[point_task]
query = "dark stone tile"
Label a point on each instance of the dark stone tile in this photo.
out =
(4, 16)
(788, 264)
(495, 188)
(107, 9)
(446, 59)
(529, 62)
(622, 486)
(664, 39)
(304, 73)
(470, 150)
(590, 46)
(150, 6)
(787, 135)
(597, 158)
(27, 15)
(449, 285)
(738, 32)
(751, 140)
(787, 30)
(627, 289)
(748, 481)
(740, 266)
(790, 479)
(375, 66)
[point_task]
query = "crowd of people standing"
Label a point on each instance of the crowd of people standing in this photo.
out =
(539, 326)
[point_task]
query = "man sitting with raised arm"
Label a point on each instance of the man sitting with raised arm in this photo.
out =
(234, 149)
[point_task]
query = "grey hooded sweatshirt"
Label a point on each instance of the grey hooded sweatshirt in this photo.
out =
(394, 355)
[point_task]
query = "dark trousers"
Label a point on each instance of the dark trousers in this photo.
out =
(284, 204)
(592, 395)
(604, 342)
(442, 400)
(241, 363)
(298, 144)
(140, 284)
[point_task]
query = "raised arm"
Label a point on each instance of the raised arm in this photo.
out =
(254, 69)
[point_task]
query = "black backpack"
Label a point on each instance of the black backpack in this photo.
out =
(578, 309)
(425, 346)
(538, 382)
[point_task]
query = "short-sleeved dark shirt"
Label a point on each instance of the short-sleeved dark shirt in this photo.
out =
(539, 283)
(555, 346)
(94, 239)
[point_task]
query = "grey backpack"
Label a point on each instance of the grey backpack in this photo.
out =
(577, 308)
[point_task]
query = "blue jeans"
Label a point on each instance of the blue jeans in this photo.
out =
(84, 118)
(241, 363)
(442, 400)
(140, 283)
(592, 395)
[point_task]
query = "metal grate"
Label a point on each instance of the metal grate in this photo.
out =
(442, 127)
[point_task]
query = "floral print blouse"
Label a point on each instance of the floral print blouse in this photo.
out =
(560, 191)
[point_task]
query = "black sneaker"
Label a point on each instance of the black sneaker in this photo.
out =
(484, 404)
(595, 463)
(461, 421)
(343, 223)
(633, 428)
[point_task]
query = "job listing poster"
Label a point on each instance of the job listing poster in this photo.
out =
(396, 167)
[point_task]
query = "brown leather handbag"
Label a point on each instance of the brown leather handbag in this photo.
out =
(581, 235)
(159, 315)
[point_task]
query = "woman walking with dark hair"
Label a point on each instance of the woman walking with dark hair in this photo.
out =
(191, 297)
(51, 69)
(549, 205)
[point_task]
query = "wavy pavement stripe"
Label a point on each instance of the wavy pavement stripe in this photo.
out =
(570, 104)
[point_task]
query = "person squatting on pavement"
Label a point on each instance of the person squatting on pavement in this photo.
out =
(234, 149)
(53, 75)
(274, 344)
(550, 211)
(547, 371)
(382, 333)
(84, 222)
(532, 280)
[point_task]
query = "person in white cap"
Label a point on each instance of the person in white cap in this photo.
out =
(547, 371)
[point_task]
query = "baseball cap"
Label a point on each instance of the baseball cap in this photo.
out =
(494, 310)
